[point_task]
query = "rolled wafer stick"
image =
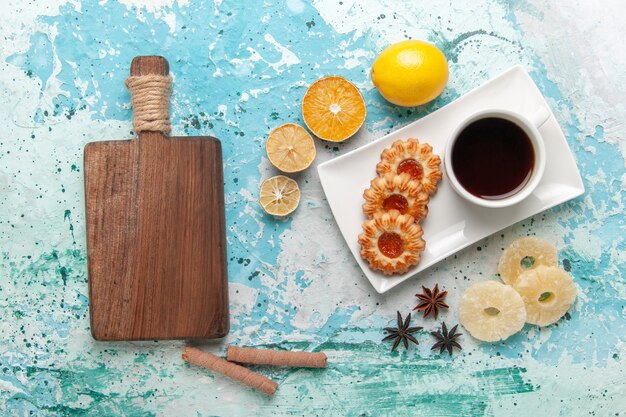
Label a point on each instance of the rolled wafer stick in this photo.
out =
(276, 357)
(231, 370)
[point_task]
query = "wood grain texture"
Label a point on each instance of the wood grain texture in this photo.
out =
(156, 234)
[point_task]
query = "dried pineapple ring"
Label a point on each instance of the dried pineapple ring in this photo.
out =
(491, 311)
(548, 292)
(523, 255)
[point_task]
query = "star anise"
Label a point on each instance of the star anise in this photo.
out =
(445, 339)
(402, 333)
(431, 301)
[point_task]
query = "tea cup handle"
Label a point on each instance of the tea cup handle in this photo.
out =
(540, 117)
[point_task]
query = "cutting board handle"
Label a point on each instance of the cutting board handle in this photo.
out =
(147, 65)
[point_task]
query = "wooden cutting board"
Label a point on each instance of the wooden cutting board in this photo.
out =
(156, 234)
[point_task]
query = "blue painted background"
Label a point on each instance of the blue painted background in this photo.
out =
(241, 68)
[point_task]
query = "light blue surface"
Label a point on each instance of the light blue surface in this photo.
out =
(241, 69)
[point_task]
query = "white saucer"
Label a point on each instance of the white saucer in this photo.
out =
(452, 223)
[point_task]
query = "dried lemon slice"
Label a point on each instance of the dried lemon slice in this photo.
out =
(279, 195)
(548, 292)
(491, 311)
(290, 148)
(333, 109)
(525, 254)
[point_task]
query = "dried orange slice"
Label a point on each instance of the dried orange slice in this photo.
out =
(290, 148)
(279, 195)
(333, 109)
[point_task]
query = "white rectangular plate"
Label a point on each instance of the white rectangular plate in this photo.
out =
(453, 223)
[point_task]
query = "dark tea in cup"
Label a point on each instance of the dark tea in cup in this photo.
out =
(496, 158)
(493, 158)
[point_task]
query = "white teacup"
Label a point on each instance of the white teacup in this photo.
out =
(530, 128)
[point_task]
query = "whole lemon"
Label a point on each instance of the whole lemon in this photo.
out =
(410, 73)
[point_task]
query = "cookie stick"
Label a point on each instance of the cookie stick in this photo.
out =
(276, 357)
(231, 370)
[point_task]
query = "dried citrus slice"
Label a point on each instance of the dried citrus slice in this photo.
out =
(290, 148)
(333, 109)
(279, 195)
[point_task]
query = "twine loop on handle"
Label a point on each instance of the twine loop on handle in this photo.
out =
(150, 96)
